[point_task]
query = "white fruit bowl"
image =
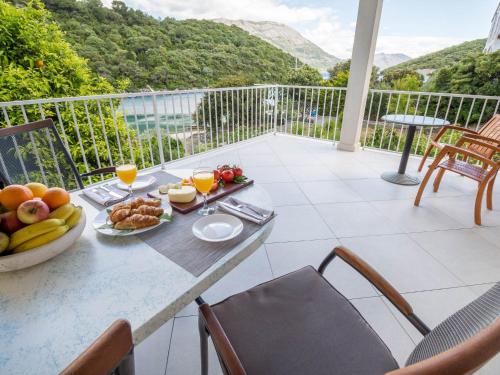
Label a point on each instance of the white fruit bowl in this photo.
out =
(42, 253)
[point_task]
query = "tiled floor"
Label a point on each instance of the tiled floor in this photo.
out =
(434, 253)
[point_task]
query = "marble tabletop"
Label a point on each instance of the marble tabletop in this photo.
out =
(51, 312)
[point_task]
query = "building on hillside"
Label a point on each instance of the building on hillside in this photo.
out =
(426, 73)
(493, 42)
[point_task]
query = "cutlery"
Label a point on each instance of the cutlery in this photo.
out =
(111, 192)
(238, 209)
(99, 193)
(236, 204)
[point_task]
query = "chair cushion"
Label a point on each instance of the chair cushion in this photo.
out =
(300, 324)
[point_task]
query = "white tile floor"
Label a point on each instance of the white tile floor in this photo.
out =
(434, 253)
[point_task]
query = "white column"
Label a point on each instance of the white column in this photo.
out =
(365, 40)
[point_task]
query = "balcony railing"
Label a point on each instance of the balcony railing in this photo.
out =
(153, 128)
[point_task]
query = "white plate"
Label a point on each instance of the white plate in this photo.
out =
(102, 224)
(140, 183)
(42, 253)
(217, 228)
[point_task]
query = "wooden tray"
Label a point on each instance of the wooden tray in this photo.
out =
(197, 203)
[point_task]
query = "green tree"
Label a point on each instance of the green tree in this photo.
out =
(303, 76)
(398, 79)
(37, 62)
(474, 74)
(339, 75)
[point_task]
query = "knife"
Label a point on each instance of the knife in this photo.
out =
(231, 207)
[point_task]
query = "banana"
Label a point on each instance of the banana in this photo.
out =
(75, 217)
(42, 239)
(32, 231)
(63, 212)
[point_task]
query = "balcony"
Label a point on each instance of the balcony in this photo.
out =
(285, 137)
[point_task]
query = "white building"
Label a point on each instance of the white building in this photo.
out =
(493, 42)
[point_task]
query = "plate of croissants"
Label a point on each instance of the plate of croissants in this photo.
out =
(133, 217)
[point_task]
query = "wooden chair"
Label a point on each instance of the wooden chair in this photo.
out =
(300, 324)
(111, 353)
(35, 152)
(477, 148)
(489, 130)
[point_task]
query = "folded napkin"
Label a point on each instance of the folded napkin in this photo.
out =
(106, 196)
(246, 210)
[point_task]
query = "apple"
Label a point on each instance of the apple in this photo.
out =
(33, 211)
(9, 222)
(4, 242)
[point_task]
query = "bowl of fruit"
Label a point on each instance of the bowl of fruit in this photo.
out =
(37, 223)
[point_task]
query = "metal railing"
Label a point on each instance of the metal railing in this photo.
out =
(153, 128)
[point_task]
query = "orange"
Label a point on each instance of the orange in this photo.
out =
(37, 189)
(55, 197)
(13, 195)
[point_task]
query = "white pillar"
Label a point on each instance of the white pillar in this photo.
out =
(365, 40)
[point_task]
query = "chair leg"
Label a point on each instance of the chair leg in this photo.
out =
(479, 201)
(437, 180)
(423, 184)
(426, 154)
(489, 194)
(203, 346)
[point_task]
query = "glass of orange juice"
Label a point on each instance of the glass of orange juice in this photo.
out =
(203, 179)
(127, 173)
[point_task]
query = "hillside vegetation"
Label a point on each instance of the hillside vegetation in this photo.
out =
(444, 57)
(123, 43)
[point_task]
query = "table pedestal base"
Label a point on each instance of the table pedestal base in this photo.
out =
(400, 179)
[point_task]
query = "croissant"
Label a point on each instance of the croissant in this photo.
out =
(148, 210)
(121, 206)
(136, 203)
(137, 221)
(118, 215)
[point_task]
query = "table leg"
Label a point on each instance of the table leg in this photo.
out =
(400, 177)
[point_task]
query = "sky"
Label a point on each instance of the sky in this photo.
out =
(412, 27)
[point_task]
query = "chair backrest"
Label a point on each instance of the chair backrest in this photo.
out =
(491, 130)
(111, 353)
(34, 152)
(463, 342)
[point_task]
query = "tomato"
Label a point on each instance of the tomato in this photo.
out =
(227, 175)
(216, 175)
(215, 186)
(237, 171)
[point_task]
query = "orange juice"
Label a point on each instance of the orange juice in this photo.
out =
(127, 173)
(203, 181)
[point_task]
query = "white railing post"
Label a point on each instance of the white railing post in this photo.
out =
(365, 40)
(275, 110)
(158, 132)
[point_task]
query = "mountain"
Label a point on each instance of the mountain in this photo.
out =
(444, 57)
(121, 44)
(288, 40)
(386, 60)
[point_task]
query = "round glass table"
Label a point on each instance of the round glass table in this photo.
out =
(412, 121)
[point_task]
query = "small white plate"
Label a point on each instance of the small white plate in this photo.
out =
(217, 228)
(140, 183)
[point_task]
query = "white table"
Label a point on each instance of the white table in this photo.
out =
(51, 312)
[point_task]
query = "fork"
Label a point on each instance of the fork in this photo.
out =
(240, 206)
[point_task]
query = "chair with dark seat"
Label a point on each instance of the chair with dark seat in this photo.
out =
(35, 152)
(300, 324)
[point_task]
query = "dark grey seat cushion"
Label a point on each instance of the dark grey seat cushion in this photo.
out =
(300, 324)
(460, 326)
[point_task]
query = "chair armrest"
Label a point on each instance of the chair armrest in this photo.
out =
(452, 150)
(99, 171)
(221, 342)
(481, 140)
(443, 130)
(369, 273)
